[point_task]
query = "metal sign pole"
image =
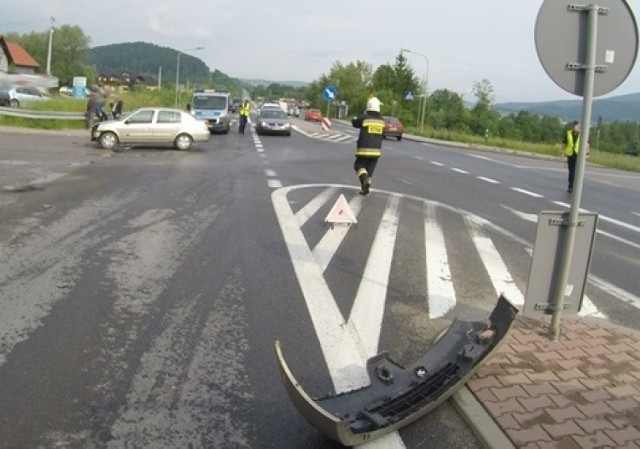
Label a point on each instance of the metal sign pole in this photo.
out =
(565, 260)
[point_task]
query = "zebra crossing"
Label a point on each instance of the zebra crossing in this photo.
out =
(332, 136)
(476, 256)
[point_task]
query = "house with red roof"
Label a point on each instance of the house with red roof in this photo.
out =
(14, 56)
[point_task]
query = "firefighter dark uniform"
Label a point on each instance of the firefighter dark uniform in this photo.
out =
(368, 152)
(244, 115)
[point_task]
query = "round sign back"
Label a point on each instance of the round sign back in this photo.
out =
(561, 34)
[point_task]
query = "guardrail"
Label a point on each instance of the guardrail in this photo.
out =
(48, 115)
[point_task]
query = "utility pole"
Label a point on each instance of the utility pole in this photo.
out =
(53, 21)
(423, 104)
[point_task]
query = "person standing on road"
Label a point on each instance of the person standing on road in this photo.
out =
(244, 115)
(90, 113)
(571, 143)
(369, 143)
(116, 108)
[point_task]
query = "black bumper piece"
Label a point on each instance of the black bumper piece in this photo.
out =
(399, 395)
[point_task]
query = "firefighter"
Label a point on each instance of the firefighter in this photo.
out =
(371, 127)
(244, 115)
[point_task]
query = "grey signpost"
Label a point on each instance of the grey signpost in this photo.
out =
(587, 49)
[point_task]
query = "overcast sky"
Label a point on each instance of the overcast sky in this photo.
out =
(464, 41)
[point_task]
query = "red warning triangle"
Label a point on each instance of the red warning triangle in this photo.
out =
(341, 212)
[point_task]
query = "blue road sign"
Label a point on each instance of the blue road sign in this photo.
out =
(408, 95)
(329, 93)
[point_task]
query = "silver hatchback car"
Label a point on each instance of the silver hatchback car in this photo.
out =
(149, 126)
(15, 96)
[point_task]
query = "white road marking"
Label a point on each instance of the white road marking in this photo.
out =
(368, 308)
(533, 218)
(615, 291)
(477, 156)
(492, 181)
(440, 293)
(314, 205)
(619, 239)
(439, 164)
(603, 218)
(274, 183)
(526, 192)
(344, 355)
(270, 173)
(636, 213)
(498, 272)
(459, 170)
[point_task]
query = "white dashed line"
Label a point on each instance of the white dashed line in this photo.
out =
(459, 170)
(492, 181)
(439, 164)
(526, 192)
(274, 183)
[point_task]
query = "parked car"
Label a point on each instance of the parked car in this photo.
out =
(14, 96)
(393, 127)
(273, 121)
(294, 111)
(235, 104)
(146, 126)
(270, 105)
(313, 115)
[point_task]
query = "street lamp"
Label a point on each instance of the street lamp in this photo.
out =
(426, 83)
(178, 69)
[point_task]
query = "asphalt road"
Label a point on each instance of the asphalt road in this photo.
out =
(142, 291)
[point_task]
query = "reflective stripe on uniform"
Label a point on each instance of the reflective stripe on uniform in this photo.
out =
(367, 152)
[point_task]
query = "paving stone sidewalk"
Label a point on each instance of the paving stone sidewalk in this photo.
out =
(582, 391)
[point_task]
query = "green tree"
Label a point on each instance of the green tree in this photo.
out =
(68, 47)
(352, 81)
(447, 111)
(483, 119)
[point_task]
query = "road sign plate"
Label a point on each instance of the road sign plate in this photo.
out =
(561, 33)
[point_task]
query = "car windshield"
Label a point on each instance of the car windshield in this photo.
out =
(209, 102)
(392, 120)
(273, 113)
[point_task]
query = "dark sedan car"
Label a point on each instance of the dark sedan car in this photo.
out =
(273, 121)
(393, 127)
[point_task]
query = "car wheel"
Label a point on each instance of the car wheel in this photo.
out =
(183, 142)
(108, 140)
(399, 138)
(14, 103)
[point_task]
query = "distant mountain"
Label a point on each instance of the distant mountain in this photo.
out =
(261, 82)
(624, 108)
(146, 59)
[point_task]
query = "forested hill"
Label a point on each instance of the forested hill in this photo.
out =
(148, 59)
(624, 108)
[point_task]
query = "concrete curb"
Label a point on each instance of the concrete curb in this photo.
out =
(482, 424)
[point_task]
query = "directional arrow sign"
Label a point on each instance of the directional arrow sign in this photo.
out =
(329, 93)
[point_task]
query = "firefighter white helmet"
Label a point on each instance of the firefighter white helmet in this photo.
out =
(373, 104)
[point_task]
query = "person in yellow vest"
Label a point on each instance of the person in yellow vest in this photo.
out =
(571, 146)
(244, 115)
(369, 143)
